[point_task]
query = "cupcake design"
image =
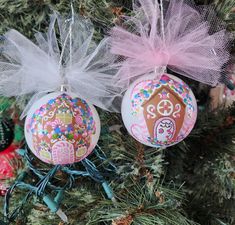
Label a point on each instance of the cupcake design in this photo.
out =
(62, 130)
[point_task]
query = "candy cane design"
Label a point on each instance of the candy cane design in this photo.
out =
(140, 131)
(187, 125)
(63, 153)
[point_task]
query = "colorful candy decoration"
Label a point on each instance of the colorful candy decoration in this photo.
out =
(61, 128)
(159, 112)
(6, 133)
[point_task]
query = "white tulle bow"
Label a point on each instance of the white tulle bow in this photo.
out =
(71, 58)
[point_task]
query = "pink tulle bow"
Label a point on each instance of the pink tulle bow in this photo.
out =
(190, 45)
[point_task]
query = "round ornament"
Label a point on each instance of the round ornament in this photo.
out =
(10, 163)
(61, 128)
(6, 133)
(159, 112)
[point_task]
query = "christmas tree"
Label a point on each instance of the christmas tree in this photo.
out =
(192, 182)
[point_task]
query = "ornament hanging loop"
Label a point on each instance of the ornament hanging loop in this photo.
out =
(162, 21)
(68, 38)
(65, 87)
(159, 71)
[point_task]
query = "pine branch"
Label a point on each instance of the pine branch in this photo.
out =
(205, 164)
(138, 204)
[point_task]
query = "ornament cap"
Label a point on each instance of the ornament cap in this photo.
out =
(159, 71)
(65, 88)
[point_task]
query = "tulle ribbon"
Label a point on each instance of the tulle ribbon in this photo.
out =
(71, 58)
(180, 37)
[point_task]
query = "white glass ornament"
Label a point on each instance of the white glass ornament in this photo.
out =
(61, 128)
(159, 112)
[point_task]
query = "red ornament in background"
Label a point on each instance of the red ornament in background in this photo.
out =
(228, 94)
(9, 164)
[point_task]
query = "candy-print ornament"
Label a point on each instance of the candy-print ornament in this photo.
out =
(159, 112)
(61, 128)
